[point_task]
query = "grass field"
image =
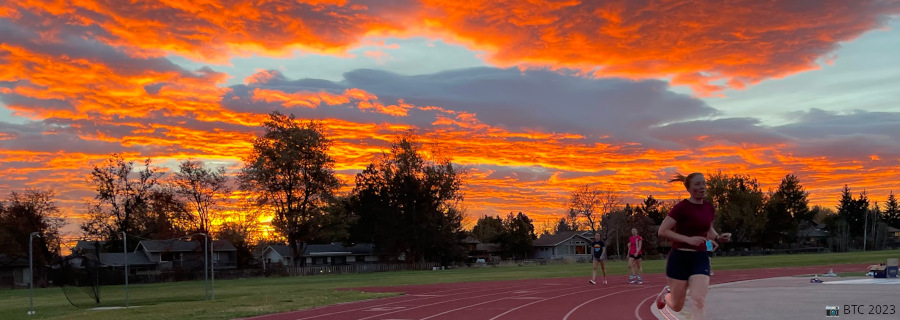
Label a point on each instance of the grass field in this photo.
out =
(248, 297)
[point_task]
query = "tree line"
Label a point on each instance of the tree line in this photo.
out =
(406, 202)
(756, 218)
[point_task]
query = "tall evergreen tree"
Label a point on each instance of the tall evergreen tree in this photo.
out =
(892, 211)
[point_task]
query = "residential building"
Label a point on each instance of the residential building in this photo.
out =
(570, 245)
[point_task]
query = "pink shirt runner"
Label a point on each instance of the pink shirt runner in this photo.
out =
(633, 240)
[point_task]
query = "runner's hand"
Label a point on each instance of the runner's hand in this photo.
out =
(725, 237)
(696, 241)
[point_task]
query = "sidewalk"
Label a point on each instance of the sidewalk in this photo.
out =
(797, 298)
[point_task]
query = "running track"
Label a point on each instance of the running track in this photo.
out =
(561, 298)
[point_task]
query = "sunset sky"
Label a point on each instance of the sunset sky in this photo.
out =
(533, 98)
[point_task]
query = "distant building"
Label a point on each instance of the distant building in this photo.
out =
(334, 253)
(88, 247)
(570, 245)
(188, 255)
(489, 252)
(14, 271)
(277, 255)
(813, 236)
(893, 237)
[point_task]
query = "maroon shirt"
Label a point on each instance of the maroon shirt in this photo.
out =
(692, 220)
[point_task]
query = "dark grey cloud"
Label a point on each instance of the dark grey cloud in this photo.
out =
(615, 110)
(856, 134)
(44, 137)
(696, 133)
(540, 99)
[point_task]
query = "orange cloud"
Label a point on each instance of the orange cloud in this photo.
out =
(705, 45)
(87, 104)
(700, 44)
(216, 30)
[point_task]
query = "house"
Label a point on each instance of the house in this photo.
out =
(570, 245)
(277, 254)
(139, 265)
(14, 271)
(336, 253)
(893, 237)
(813, 236)
(88, 248)
(478, 250)
(188, 255)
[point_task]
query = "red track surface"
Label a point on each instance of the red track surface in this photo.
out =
(562, 298)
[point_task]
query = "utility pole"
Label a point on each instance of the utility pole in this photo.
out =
(865, 229)
(31, 272)
(125, 251)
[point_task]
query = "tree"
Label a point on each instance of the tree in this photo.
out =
(591, 202)
(122, 203)
(876, 228)
(240, 229)
(787, 208)
(406, 204)
(564, 224)
(202, 189)
(892, 211)
(645, 227)
(517, 236)
(739, 204)
(652, 208)
(487, 229)
(613, 225)
(838, 232)
(795, 198)
(853, 210)
(291, 171)
(168, 217)
(30, 211)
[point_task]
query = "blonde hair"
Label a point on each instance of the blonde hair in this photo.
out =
(686, 180)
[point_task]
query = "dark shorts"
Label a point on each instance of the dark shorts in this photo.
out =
(599, 259)
(681, 264)
(710, 253)
(636, 257)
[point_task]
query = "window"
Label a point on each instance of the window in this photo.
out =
(580, 250)
(169, 256)
(360, 258)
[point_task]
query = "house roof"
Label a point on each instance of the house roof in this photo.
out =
(283, 250)
(118, 259)
(88, 244)
(223, 245)
(815, 232)
(183, 246)
(12, 261)
(488, 247)
(552, 240)
(471, 240)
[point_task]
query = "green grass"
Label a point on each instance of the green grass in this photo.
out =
(248, 297)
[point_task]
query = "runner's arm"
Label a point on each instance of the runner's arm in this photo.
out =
(665, 230)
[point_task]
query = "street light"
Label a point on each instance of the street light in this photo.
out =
(205, 260)
(213, 243)
(31, 271)
(125, 251)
